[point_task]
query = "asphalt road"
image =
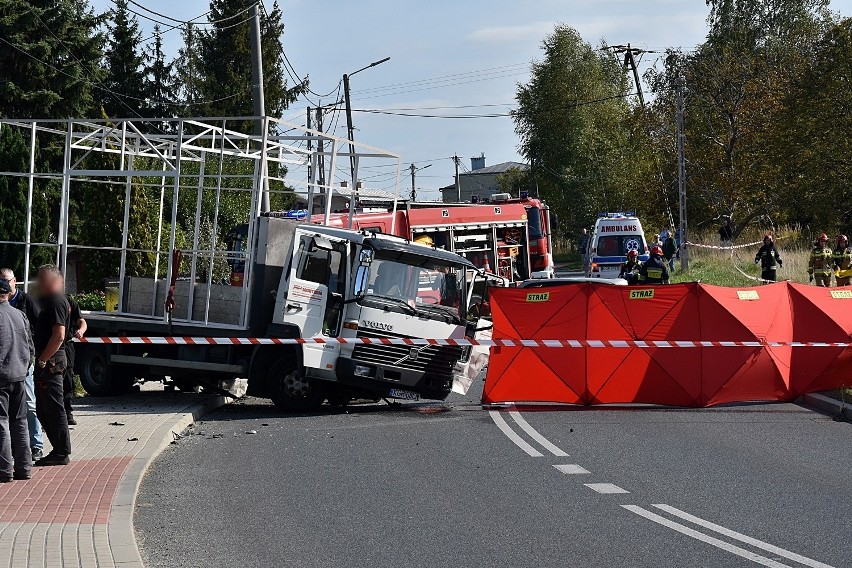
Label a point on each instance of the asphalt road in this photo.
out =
(443, 485)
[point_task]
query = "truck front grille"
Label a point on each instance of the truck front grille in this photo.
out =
(428, 359)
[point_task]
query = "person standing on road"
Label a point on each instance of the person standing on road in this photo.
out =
(29, 307)
(842, 261)
(821, 263)
(769, 260)
(76, 331)
(654, 270)
(51, 363)
(16, 352)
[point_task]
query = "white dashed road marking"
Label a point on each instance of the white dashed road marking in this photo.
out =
(605, 488)
(743, 538)
(534, 434)
(571, 469)
(728, 547)
(512, 435)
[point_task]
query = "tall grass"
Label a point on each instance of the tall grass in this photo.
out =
(719, 267)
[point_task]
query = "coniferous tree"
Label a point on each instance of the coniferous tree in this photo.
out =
(188, 71)
(49, 59)
(124, 66)
(160, 88)
(226, 62)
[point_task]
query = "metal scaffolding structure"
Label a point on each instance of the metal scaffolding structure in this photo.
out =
(170, 158)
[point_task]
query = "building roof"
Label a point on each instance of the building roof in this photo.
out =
(498, 169)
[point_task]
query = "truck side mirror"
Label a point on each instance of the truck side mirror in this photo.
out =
(361, 281)
(366, 256)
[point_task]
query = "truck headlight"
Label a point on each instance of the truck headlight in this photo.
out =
(363, 371)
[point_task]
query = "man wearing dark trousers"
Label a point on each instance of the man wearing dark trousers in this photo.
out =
(53, 321)
(25, 303)
(76, 331)
(16, 352)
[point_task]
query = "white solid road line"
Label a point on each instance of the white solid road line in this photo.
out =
(571, 469)
(512, 435)
(742, 552)
(743, 538)
(534, 434)
(606, 488)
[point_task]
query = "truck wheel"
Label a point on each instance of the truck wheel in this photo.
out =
(291, 390)
(98, 375)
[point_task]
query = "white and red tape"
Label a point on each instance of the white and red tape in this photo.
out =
(570, 343)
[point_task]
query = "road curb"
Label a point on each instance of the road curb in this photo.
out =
(826, 404)
(122, 535)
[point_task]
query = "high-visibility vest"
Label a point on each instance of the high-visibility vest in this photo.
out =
(843, 262)
(821, 262)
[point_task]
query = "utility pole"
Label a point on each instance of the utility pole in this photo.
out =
(321, 149)
(310, 205)
(350, 129)
(414, 169)
(630, 54)
(681, 176)
(257, 95)
(458, 185)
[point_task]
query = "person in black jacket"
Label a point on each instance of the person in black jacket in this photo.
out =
(769, 259)
(50, 337)
(27, 304)
(16, 352)
(654, 270)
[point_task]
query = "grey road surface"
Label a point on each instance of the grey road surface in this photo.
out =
(453, 485)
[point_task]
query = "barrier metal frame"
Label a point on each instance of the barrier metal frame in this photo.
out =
(171, 144)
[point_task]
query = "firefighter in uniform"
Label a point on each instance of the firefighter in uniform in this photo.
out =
(821, 263)
(654, 270)
(842, 261)
(630, 268)
(769, 259)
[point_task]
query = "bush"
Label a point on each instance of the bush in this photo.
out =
(91, 301)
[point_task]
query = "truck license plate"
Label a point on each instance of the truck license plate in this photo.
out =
(404, 394)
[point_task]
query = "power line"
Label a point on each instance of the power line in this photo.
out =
(441, 85)
(487, 70)
(393, 112)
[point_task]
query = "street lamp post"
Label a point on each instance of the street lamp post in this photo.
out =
(353, 166)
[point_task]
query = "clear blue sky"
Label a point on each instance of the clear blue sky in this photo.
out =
(483, 44)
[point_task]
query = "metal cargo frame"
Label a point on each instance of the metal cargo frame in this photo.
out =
(165, 155)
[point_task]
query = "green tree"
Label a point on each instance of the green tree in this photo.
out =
(160, 87)
(124, 65)
(15, 157)
(814, 142)
(735, 89)
(572, 120)
(189, 71)
(226, 62)
(50, 51)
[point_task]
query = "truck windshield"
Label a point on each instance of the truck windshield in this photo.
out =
(534, 220)
(435, 290)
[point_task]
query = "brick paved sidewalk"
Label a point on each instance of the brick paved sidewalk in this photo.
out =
(81, 515)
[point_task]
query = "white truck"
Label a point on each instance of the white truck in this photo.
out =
(310, 281)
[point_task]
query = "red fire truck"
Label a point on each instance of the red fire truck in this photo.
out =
(507, 236)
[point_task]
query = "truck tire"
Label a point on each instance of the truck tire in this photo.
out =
(291, 390)
(97, 375)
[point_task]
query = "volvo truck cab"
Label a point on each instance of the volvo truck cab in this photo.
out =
(355, 285)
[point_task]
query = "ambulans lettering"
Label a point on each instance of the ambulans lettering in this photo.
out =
(619, 229)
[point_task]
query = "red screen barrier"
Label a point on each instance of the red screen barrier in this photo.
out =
(677, 376)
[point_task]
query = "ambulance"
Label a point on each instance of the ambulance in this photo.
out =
(614, 235)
